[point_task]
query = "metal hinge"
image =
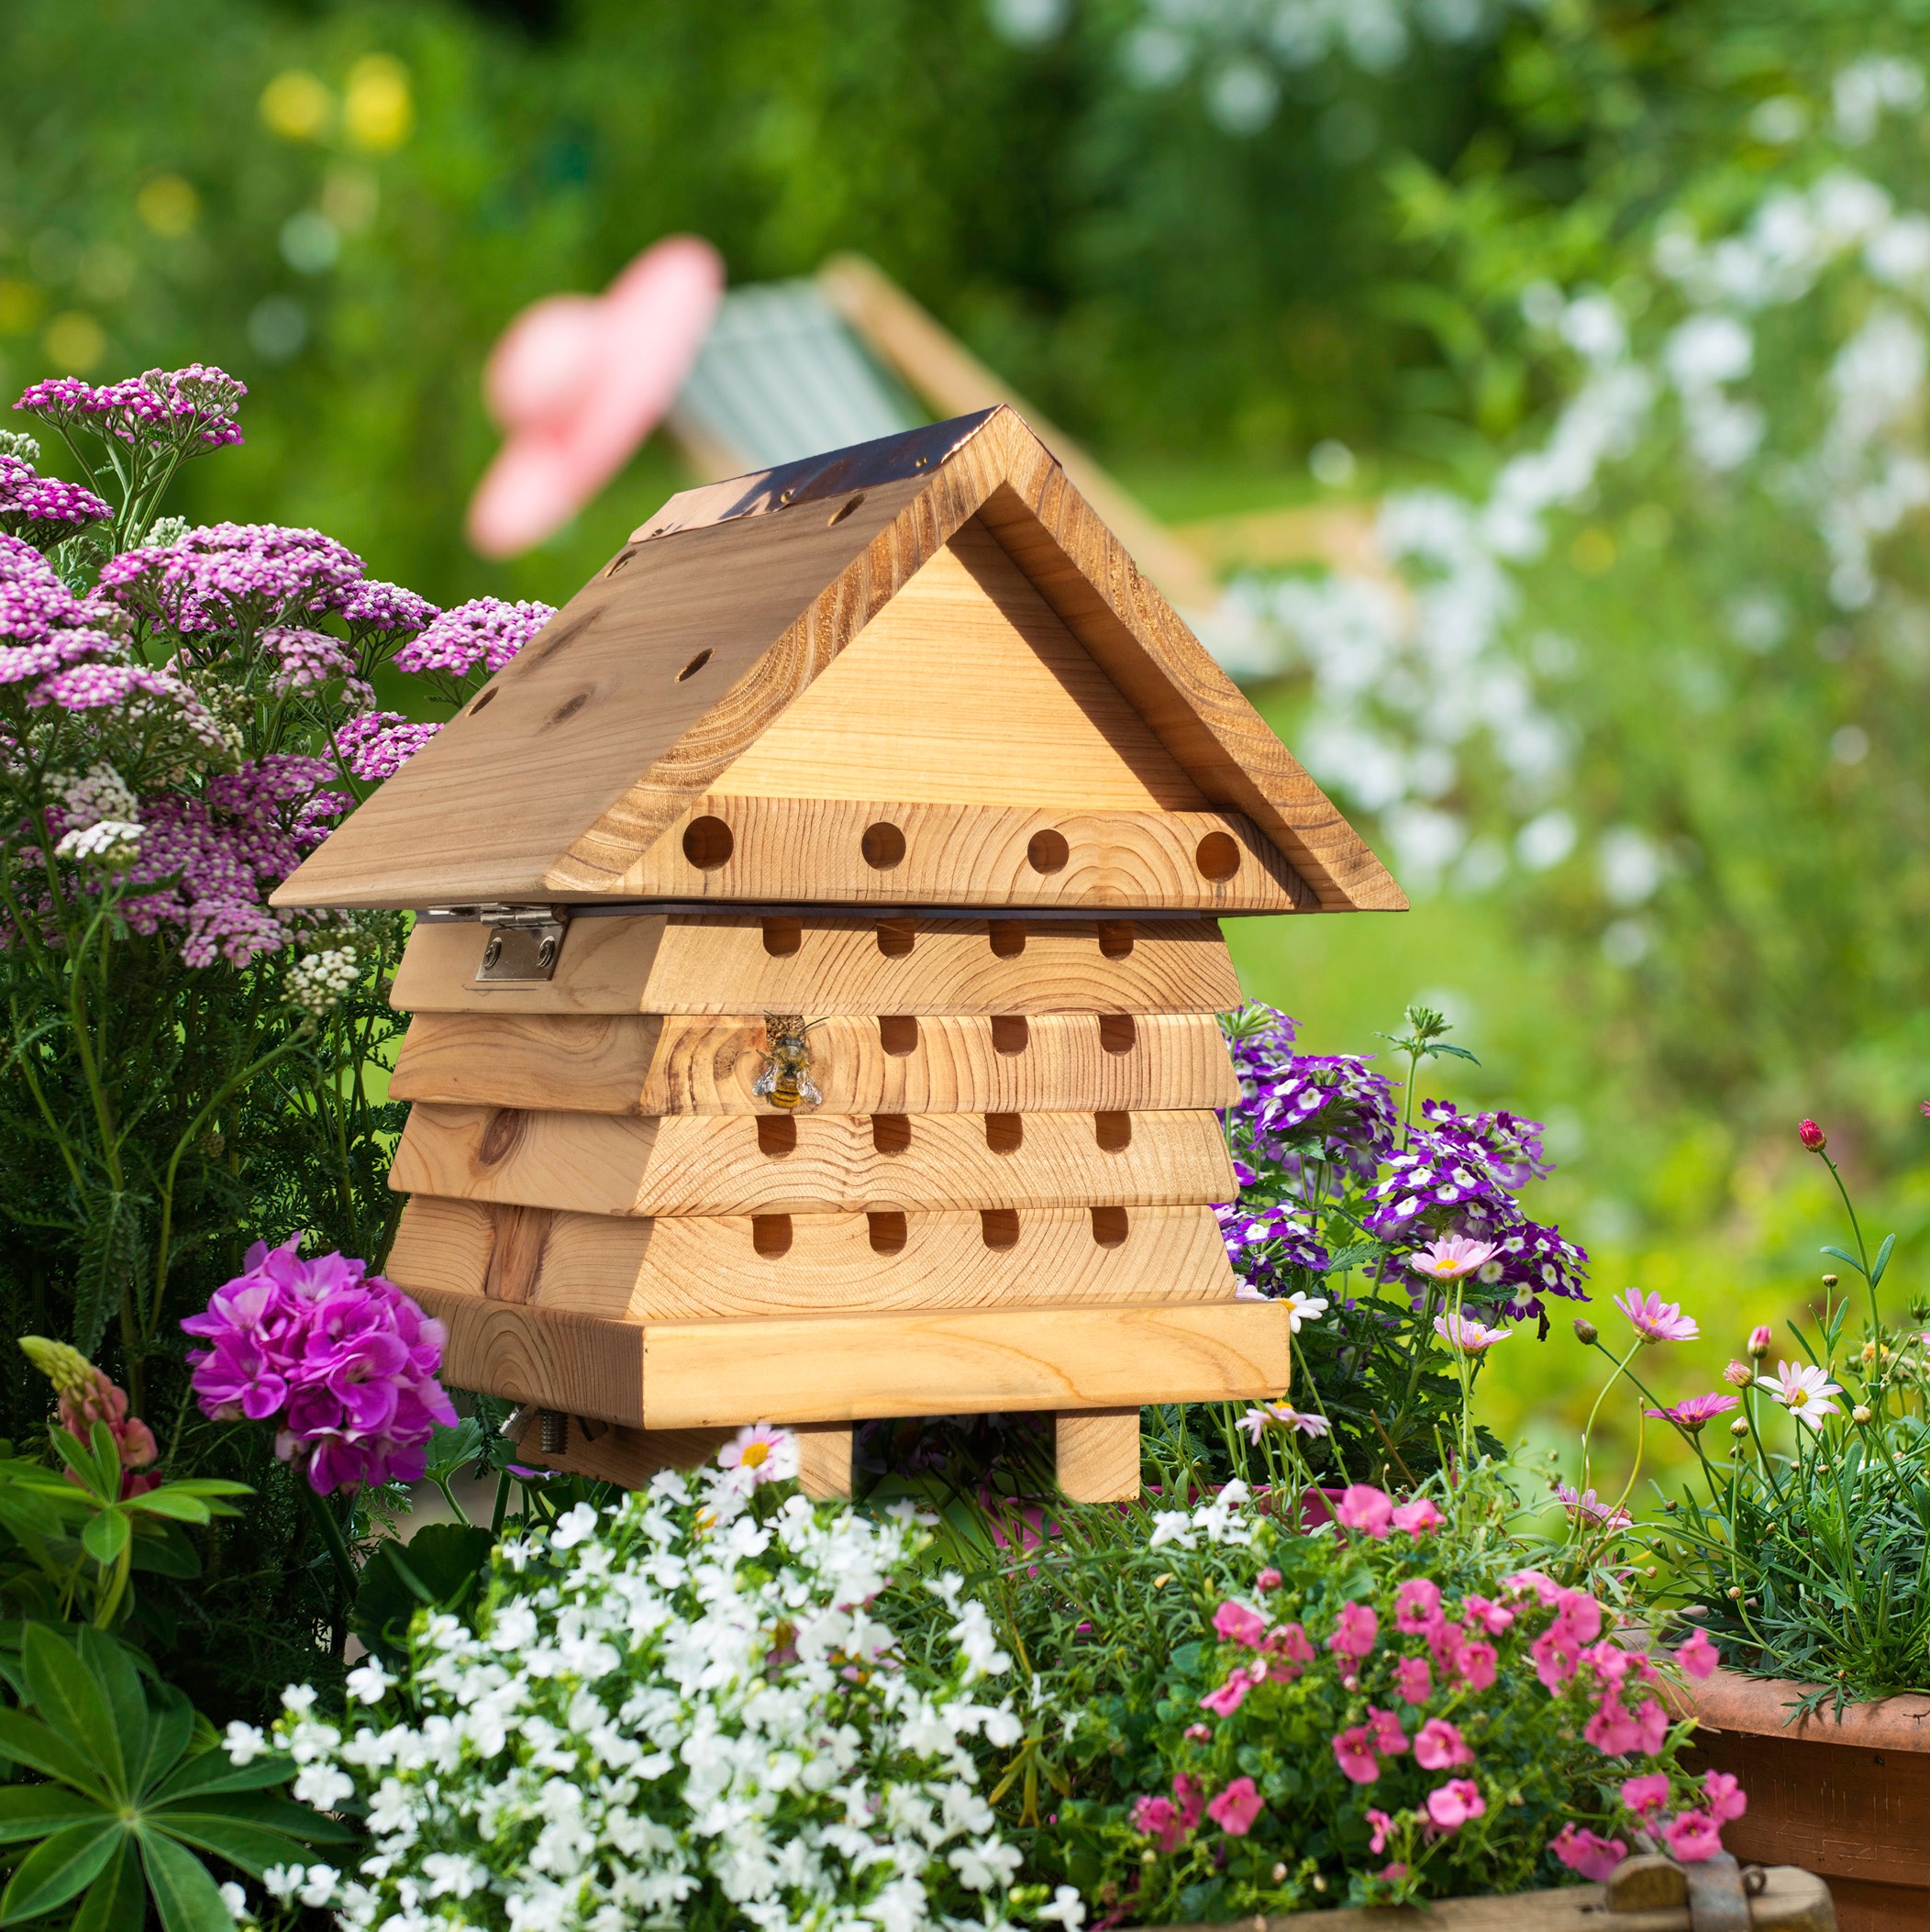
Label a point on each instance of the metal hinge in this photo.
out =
(524, 943)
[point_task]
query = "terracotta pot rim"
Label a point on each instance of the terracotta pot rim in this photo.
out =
(1760, 1706)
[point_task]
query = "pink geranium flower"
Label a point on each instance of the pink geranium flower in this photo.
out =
(1236, 1809)
(1363, 1507)
(1355, 1632)
(1439, 1746)
(1692, 1837)
(1582, 1850)
(1654, 1319)
(1453, 1803)
(1696, 1655)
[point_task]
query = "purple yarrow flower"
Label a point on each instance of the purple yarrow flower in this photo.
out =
(310, 658)
(43, 509)
(344, 1359)
(376, 746)
(370, 608)
(229, 577)
(486, 631)
(189, 409)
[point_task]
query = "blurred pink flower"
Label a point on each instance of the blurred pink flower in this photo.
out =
(577, 382)
(1696, 1655)
(1363, 1507)
(1693, 1836)
(1647, 1793)
(1236, 1809)
(1654, 1319)
(1417, 1518)
(1439, 1746)
(1453, 1803)
(1414, 1681)
(1355, 1631)
(1728, 1799)
(1582, 1850)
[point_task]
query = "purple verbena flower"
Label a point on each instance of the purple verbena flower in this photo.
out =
(342, 1359)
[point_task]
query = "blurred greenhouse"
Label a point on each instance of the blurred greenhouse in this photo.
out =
(1541, 384)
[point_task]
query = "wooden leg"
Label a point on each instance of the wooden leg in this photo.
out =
(1096, 1454)
(624, 1456)
(823, 1459)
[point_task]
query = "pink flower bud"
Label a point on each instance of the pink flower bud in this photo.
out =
(1760, 1337)
(1811, 1137)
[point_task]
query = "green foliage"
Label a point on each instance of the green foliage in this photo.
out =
(128, 1793)
(440, 1568)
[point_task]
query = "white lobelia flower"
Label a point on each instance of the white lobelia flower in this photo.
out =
(244, 1742)
(1066, 1909)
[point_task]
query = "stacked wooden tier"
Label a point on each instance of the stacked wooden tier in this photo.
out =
(1002, 1200)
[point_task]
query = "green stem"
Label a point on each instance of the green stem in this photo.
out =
(332, 1536)
(1587, 1428)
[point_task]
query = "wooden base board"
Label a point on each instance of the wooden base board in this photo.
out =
(1082, 1063)
(624, 1269)
(813, 1163)
(844, 1368)
(629, 1458)
(1095, 1454)
(821, 963)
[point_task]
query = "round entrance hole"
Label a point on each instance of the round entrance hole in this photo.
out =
(707, 843)
(771, 1235)
(882, 846)
(693, 667)
(1218, 856)
(1046, 852)
(999, 1226)
(887, 1232)
(1109, 1226)
(1005, 1133)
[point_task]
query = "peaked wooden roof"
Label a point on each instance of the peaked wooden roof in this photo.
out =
(722, 610)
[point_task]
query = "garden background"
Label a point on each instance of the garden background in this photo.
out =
(1641, 729)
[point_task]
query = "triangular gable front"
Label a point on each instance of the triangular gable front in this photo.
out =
(673, 668)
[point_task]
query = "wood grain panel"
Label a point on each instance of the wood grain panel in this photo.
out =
(846, 1368)
(966, 688)
(689, 1268)
(820, 1163)
(627, 1456)
(1066, 1064)
(588, 746)
(1095, 1455)
(551, 1356)
(734, 963)
(813, 850)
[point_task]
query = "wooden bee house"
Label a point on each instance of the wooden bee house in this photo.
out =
(814, 996)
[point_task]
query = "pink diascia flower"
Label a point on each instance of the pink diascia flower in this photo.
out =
(1466, 1336)
(1519, 1582)
(1695, 1413)
(1355, 1632)
(1692, 1837)
(1726, 1797)
(1654, 1319)
(342, 1359)
(1417, 1606)
(1159, 1819)
(1229, 1696)
(1491, 1617)
(1647, 1793)
(1475, 1664)
(1354, 1752)
(1414, 1681)
(1697, 1655)
(1453, 1803)
(1239, 1624)
(1439, 1746)
(1615, 1731)
(1418, 1519)
(1236, 1809)
(1451, 1257)
(1291, 1651)
(1382, 1827)
(1363, 1507)
(1384, 1727)
(1581, 1851)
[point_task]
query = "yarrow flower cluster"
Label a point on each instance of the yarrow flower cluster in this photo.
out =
(42, 509)
(684, 1695)
(485, 633)
(1466, 1719)
(188, 408)
(319, 981)
(343, 1360)
(377, 745)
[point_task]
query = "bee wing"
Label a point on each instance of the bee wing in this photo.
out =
(765, 1080)
(807, 1087)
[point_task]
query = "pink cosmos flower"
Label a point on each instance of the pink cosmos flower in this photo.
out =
(1475, 1664)
(1692, 1837)
(1654, 1319)
(1439, 1746)
(344, 1358)
(1451, 1257)
(1236, 1809)
(1267, 1580)
(1647, 1793)
(1238, 1624)
(1384, 1727)
(1281, 1414)
(1418, 1519)
(1417, 1606)
(1363, 1507)
(1697, 1655)
(1466, 1335)
(1728, 1799)
(1414, 1681)
(1382, 1827)
(1453, 1803)
(1695, 1413)
(1581, 1851)
(1355, 1632)
(1355, 1755)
